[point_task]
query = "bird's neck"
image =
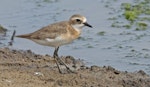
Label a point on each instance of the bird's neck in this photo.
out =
(77, 28)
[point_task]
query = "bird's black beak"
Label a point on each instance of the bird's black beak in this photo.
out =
(86, 24)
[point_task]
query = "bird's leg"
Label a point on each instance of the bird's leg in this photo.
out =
(56, 52)
(57, 58)
(55, 55)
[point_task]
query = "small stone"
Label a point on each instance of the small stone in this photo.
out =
(141, 72)
(95, 68)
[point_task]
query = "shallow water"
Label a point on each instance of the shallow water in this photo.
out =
(124, 49)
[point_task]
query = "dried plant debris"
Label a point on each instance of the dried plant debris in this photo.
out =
(2, 29)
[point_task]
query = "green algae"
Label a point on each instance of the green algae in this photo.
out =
(134, 15)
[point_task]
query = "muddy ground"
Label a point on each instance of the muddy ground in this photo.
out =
(26, 69)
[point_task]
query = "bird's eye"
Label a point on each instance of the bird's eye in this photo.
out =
(78, 20)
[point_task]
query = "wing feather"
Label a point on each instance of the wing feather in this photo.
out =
(51, 31)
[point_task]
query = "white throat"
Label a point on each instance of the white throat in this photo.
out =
(78, 26)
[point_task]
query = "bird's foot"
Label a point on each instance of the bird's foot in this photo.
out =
(60, 61)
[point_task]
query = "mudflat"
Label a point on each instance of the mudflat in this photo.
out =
(26, 69)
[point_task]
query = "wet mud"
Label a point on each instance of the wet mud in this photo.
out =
(20, 68)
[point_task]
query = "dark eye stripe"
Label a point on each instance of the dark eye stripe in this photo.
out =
(78, 20)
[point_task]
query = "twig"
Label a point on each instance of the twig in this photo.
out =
(12, 38)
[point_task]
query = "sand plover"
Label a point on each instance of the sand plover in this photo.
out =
(58, 34)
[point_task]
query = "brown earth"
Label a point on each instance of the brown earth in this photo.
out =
(27, 69)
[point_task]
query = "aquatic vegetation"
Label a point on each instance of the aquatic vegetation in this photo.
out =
(102, 33)
(136, 14)
(141, 26)
(128, 26)
(126, 6)
(90, 46)
(130, 15)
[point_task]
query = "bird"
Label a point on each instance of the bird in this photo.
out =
(58, 34)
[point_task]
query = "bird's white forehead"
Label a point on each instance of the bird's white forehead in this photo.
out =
(81, 18)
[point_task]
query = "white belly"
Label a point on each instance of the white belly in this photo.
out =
(53, 42)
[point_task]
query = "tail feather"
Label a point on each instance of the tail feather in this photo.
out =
(24, 36)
